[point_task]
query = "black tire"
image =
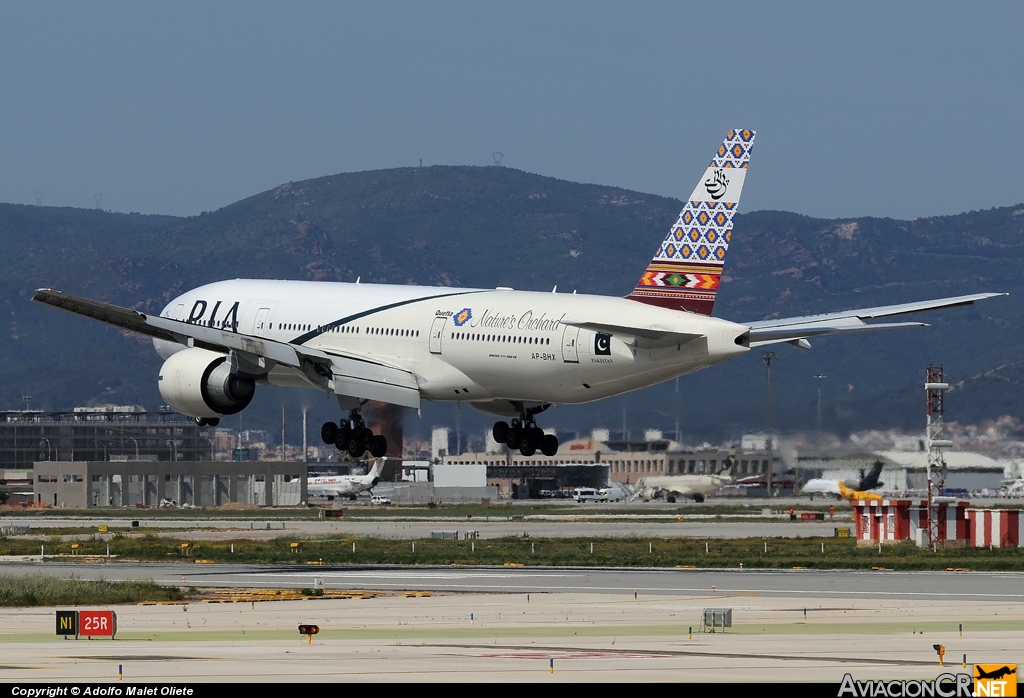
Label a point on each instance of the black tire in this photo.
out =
(670, 500)
(214, 421)
(536, 437)
(356, 447)
(500, 432)
(515, 437)
(549, 445)
(329, 432)
(699, 498)
(341, 439)
(527, 448)
(378, 446)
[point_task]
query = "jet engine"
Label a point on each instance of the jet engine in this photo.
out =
(199, 383)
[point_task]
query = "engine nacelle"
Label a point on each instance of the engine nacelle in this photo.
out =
(199, 383)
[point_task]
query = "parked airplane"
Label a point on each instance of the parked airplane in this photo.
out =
(505, 352)
(849, 489)
(671, 487)
(338, 486)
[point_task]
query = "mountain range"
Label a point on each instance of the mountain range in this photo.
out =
(495, 226)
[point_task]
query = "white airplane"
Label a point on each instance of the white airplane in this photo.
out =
(338, 486)
(505, 352)
(849, 489)
(671, 487)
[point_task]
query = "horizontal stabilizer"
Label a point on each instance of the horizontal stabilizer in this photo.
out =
(789, 329)
(773, 335)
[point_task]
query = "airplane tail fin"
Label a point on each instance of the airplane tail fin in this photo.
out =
(375, 471)
(687, 268)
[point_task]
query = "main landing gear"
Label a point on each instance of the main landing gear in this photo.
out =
(524, 434)
(207, 421)
(353, 436)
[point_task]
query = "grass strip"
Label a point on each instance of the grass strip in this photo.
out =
(749, 553)
(42, 590)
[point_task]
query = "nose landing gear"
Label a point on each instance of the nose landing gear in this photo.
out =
(524, 435)
(353, 436)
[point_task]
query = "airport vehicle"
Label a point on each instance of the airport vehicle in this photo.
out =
(672, 487)
(380, 500)
(339, 486)
(849, 489)
(586, 494)
(509, 353)
(612, 494)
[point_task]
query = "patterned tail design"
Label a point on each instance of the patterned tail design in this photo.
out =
(686, 270)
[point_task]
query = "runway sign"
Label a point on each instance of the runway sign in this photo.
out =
(67, 622)
(97, 623)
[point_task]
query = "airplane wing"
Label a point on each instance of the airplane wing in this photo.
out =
(797, 329)
(352, 376)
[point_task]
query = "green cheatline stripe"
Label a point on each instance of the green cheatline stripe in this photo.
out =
(487, 629)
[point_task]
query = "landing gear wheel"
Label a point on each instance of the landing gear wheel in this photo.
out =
(500, 432)
(670, 500)
(527, 441)
(515, 437)
(379, 446)
(549, 445)
(341, 438)
(356, 447)
(329, 432)
(699, 498)
(213, 421)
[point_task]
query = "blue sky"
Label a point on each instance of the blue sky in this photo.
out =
(870, 108)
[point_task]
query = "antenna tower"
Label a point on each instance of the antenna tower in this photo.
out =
(935, 388)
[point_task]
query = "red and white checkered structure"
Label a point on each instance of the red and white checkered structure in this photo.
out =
(894, 520)
(996, 528)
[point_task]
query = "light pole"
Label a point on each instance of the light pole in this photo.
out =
(820, 377)
(768, 357)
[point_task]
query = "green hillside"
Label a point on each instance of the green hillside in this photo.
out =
(494, 226)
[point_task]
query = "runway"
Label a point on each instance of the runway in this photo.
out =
(584, 637)
(965, 586)
(514, 624)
